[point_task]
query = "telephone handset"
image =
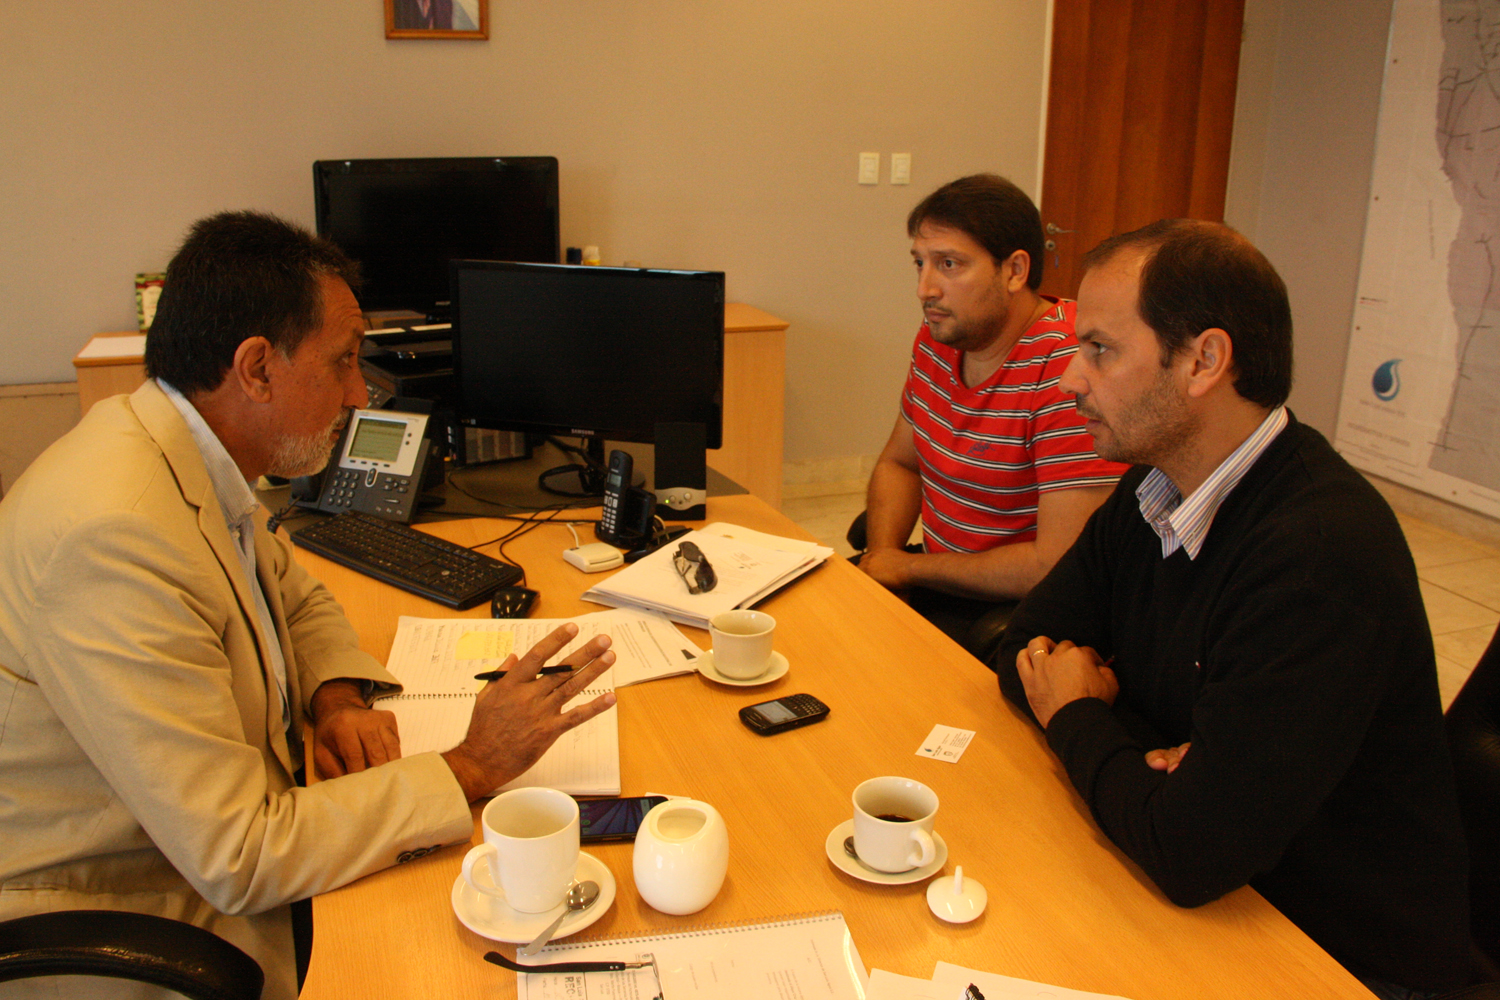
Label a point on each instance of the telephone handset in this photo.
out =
(376, 467)
(628, 510)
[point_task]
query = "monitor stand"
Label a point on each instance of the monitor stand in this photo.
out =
(578, 479)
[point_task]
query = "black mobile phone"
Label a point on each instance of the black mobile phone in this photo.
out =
(614, 819)
(783, 713)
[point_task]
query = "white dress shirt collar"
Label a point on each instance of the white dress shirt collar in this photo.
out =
(1184, 523)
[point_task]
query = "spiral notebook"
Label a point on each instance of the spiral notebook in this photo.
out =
(806, 957)
(436, 660)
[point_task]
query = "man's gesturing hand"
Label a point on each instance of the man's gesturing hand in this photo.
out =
(1055, 675)
(519, 716)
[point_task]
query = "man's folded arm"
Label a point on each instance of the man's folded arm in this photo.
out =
(1275, 727)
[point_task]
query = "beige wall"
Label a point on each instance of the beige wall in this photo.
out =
(1299, 181)
(31, 418)
(717, 134)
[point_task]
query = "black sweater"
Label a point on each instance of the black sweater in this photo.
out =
(1295, 654)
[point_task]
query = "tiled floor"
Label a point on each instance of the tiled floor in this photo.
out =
(1460, 579)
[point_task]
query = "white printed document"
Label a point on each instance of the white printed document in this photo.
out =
(951, 980)
(749, 565)
(442, 655)
(436, 660)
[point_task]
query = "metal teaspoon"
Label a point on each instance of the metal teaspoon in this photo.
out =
(580, 897)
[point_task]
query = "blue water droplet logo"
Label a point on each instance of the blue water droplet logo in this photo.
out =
(1387, 381)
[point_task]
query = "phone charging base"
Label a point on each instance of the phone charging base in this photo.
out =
(595, 557)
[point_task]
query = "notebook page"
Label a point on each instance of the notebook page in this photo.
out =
(584, 761)
(794, 958)
(442, 655)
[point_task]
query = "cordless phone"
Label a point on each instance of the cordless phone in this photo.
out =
(628, 510)
(616, 482)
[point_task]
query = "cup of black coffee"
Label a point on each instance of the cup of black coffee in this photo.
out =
(893, 820)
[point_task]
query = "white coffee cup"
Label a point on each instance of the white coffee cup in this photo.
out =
(893, 824)
(531, 844)
(742, 643)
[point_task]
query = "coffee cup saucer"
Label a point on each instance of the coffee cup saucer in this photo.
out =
(491, 917)
(777, 670)
(834, 848)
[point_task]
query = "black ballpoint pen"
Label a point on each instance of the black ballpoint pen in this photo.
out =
(495, 675)
(495, 958)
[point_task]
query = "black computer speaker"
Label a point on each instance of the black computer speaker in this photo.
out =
(681, 482)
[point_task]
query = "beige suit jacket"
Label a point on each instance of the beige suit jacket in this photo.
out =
(143, 765)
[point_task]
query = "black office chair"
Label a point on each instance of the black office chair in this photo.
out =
(979, 635)
(1479, 991)
(168, 953)
(1473, 724)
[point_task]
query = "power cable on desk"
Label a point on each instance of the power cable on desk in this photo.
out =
(527, 524)
(591, 475)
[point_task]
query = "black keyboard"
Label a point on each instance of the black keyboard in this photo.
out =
(403, 557)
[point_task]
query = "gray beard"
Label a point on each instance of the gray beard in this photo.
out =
(306, 456)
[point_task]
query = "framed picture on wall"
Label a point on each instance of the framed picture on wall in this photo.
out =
(437, 18)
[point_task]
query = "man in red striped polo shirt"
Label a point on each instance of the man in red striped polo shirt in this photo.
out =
(987, 450)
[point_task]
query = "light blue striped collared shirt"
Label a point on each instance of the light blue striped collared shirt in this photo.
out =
(1184, 523)
(238, 502)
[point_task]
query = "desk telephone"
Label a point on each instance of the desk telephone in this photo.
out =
(376, 468)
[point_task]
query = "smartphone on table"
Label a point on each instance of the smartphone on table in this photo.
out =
(781, 714)
(614, 819)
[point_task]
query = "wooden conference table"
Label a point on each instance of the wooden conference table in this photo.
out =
(1065, 907)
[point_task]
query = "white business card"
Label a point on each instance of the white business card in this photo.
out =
(945, 743)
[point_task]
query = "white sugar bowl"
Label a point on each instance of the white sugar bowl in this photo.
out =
(681, 856)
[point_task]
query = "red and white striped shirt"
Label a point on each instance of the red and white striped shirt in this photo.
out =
(986, 453)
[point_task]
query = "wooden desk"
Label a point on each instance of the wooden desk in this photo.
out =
(1065, 907)
(754, 395)
(99, 378)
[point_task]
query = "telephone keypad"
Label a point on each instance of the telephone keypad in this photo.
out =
(370, 491)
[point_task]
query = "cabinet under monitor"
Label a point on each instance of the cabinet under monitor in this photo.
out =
(754, 393)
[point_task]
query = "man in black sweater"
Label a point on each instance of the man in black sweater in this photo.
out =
(1233, 663)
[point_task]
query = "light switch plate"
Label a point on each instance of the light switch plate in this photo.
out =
(900, 168)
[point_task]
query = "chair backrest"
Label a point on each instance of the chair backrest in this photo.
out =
(1473, 723)
(136, 946)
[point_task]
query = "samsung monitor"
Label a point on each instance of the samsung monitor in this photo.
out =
(599, 353)
(404, 220)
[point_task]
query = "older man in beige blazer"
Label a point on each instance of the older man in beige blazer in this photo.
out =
(159, 650)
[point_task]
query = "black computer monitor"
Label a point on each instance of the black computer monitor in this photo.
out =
(404, 220)
(600, 353)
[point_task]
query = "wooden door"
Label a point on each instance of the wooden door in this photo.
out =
(1139, 117)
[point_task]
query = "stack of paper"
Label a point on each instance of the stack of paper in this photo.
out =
(953, 982)
(436, 660)
(750, 565)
